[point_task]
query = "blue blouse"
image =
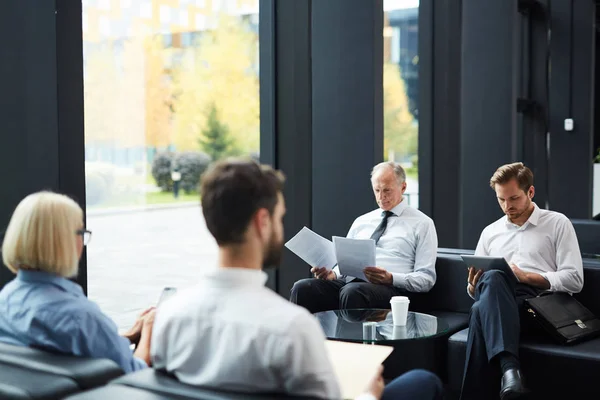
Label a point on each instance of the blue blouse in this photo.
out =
(43, 310)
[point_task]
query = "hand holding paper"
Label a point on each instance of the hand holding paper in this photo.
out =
(354, 255)
(312, 248)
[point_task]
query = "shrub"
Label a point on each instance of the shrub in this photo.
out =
(95, 188)
(100, 182)
(191, 165)
(161, 170)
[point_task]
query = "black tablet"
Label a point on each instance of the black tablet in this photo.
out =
(487, 263)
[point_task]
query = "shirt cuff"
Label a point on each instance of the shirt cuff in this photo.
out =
(551, 278)
(138, 364)
(469, 293)
(336, 271)
(398, 280)
(366, 396)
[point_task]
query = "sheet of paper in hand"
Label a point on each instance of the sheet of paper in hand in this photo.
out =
(313, 248)
(354, 255)
(355, 364)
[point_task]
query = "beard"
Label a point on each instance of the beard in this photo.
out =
(518, 212)
(273, 253)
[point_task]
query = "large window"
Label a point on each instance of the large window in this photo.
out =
(400, 89)
(169, 87)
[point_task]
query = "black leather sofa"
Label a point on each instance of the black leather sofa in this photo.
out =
(552, 371)
(27, 373)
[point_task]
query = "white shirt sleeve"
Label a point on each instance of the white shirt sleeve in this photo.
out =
(423, 276)
(569, 266)
(304, 364)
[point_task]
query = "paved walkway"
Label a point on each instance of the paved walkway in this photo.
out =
(132, 256)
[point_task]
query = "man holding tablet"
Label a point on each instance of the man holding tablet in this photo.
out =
(542, 251)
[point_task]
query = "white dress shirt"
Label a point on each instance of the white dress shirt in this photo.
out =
(231, 332)
(546, 244)
(407, 249)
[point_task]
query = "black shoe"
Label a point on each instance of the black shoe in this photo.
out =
(512, 386)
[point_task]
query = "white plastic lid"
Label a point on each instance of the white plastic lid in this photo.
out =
(399, 299)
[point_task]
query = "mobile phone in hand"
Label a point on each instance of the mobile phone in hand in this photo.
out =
(165, 294)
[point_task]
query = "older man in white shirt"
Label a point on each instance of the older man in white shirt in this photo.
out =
(230, 331)
(542, 250)
(406, 250)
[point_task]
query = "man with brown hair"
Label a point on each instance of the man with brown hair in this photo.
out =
(542, 250)
(230, 331)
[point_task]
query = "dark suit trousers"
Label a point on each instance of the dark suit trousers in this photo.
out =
(495, 325)
(320, 295)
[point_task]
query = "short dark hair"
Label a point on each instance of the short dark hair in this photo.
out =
(232, 191)
(508, 172)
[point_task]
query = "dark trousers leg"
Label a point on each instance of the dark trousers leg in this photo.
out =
(367, 295)
(317, 294)
(416, 384)
(494, 327)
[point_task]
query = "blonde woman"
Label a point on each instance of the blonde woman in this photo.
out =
(41, 307)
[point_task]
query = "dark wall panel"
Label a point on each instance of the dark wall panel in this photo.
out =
(294, 126)
(572, 96)
(347, 84)
(268, 97)
(446, 147)
(488, 108)
(41, 110)
(28, 106)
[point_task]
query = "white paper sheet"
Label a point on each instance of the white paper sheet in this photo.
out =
(312, 248)
(354, 255)
(355, 365)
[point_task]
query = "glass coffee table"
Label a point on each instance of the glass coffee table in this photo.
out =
(376, 326)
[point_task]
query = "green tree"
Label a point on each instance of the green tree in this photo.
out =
(221, 69)
(216, 141)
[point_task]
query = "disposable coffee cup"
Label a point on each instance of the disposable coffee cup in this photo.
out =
(399, 309)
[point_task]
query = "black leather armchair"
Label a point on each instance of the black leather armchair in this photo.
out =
(28, 373)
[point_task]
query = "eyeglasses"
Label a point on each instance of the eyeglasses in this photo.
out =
(85, 235)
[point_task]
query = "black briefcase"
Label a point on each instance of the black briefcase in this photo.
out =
(564, 318)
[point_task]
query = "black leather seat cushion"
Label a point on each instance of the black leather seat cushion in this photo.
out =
(548, 367)
(20, 383)
(86, 372)
(450, 290)
(164, 384)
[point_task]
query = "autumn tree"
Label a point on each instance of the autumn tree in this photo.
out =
(159, 131)
(400, 129)
(126, 96)
(219, 71)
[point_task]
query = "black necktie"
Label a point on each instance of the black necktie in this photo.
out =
(381, 228)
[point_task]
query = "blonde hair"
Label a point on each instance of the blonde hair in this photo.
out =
(41, 235)
(508, 172)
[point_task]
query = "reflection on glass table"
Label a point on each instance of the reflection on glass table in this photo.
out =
(376, 325)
